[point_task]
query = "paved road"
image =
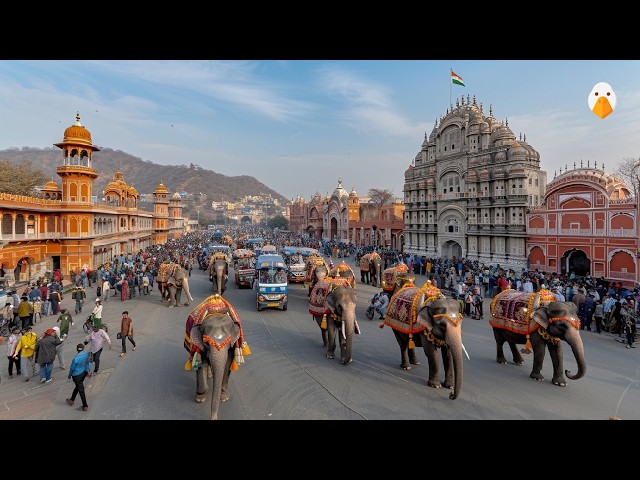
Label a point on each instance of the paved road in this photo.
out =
(287, 376)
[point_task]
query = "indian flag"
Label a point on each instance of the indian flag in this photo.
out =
(456, 79)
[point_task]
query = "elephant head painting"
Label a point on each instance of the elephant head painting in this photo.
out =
(172, 280)
(539, 322)
(333, 306)
(216, 345)
(219, 272)
(424, 317)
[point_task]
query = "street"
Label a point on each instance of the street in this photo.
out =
(288, 377)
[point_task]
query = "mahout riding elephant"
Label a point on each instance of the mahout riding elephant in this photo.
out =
(424, 317)
(219, 272)
(172, 280)
(216, 345)
(375, 269)
(365, 268)
(537, 321)
(333, 306)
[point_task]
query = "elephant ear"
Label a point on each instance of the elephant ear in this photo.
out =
(424, 318)
(331, 301)
(541, 316)
(196, 337)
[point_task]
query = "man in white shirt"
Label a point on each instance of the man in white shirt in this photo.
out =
(381, 304)
(106, 289)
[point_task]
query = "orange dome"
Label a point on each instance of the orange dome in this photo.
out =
(77, 134)
(51, 186)
(161, 188)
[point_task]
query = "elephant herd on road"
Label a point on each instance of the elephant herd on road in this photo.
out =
(419, 317)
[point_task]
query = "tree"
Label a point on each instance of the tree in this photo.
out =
(629, 171)
(381, 197)
(278, 221)
(20, 178)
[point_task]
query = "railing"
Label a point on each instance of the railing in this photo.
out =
(617, 275)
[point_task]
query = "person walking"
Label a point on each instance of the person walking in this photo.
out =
(106, 289)
(97, 313)
(37, 310)
(96, 340)
(59, 351)
(25, 349)
(25, 309)
(78, 370)
(629, 324)
(79, 295)
(145, 284)
(45, 352)
(65, 321)
(55, 298)
(12, 343)
(126, 331)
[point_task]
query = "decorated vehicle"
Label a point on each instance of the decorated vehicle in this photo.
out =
(244, 262)
(254, 243)
(272, 282)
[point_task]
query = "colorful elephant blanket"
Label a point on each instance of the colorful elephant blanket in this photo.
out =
(403, 307)
(364, 262)
(512, 310)
(390, 274)
(318, 298)
(166, 271)
(212, 305)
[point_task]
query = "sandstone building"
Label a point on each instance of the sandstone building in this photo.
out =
(467, 191)
(64, 228)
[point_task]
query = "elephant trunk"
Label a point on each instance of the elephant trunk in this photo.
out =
(185, 287)
(217, 362)
(219, 280)
(572, 337)
(454, 341)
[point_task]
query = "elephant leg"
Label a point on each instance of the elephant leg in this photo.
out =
(555, 352)
(517, 358)
(403, 343)
(177, 297)
(202, 387)
(324, 332)
(332, 329)
(500, 358)
(431, 351)
(538, 357)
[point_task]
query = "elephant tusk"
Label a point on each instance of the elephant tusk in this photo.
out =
(343, 330)
(465, 351)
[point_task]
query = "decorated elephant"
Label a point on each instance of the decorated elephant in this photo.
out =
(365, 268)
(538, 321)
(219, 272)
(172, 280)
(424, 317)
(333, 306)
(216, 345)
(317, 269)
(375, 269)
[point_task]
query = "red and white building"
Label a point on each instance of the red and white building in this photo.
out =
(588, 224)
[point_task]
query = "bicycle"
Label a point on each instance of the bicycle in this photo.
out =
(88, 325)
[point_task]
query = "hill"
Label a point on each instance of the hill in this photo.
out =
(145, 175)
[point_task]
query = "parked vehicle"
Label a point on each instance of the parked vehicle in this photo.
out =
(272, 284)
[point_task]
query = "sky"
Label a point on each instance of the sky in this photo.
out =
(299, 126)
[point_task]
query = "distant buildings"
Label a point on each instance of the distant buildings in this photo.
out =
(345, 217)
(66, 229)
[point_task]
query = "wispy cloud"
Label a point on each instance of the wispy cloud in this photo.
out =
(366, 106)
